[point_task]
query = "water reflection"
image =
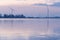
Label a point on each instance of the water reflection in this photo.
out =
(31, 29)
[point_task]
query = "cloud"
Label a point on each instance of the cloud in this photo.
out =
(39, 4)
(21, 2)
(57, 4)
(45, 37)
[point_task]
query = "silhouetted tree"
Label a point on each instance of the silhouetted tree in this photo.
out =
(17, 16)
(0, 15)
(10, 16)
(22, 16)
(5, 16)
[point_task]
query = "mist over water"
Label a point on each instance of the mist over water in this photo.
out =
(29, 29)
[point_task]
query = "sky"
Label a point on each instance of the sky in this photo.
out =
(20, 2)
(26, 7)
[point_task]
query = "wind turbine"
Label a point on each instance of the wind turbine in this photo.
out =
(12, 10)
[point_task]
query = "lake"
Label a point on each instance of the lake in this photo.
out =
(29, 29)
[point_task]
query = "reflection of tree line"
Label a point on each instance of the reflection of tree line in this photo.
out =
(21, 16)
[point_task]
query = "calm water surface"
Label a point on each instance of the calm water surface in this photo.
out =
(29, 29)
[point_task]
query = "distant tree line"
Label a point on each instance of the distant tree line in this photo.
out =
(12, 16)
(21, 16)
(15, 16)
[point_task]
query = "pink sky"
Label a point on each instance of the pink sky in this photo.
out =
(22, 2)
(25, 7)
